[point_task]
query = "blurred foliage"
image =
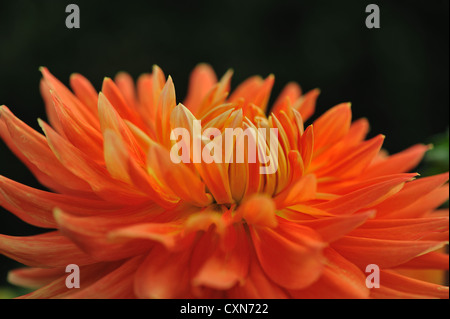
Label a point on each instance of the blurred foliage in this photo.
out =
(9, 292)
(436, 160)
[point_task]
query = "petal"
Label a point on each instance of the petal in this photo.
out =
(33, 150)
(91, 233)
(84, 137)
(117, 284)
(399, 163)
(420, 208)
(364, 198)
(411, 193)
(97, 176)
(332, 126)
(340, 280)
(291, 93)
(36, 207)
(333, 228)
(258, 210)
(216, 95)
(110, 119)
(306, 105)
(393, 285)
(89, 274)
(228, 263)
(355, 161)
(118, 101)
(257, 285)
(291, 255)
(163, 275)
(125, 84)
(404, 229)
(84, 91)
(34, 277)
(385, 253)
(80, 110)
(214, 175)
(301, 191)
(46, 250)
(202, 80)
(165, 106)
(172, 175)
(306, 146)
(164, 233)
(433, 260)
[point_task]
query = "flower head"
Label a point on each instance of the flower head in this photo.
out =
(141, 225)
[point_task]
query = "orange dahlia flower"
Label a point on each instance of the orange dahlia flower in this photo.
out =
(139, 225)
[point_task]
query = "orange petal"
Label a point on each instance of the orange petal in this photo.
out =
(333, 228)
(163, 275)
(433, 260)
(355, 162)
(306, 146)
(332, 126)
(412, 192)
(262, 96)
(364, 198)
(216, 95)
(41, 251)
(164, 233)
(202, 80)
(117, 284)
(91, 233)
(306, 105)
(170, 174)
(291, 255)
(340, 280)
(84, 137)
(399, 163)
(118, 101)
(32, 149)
(97, 176)
(403, 229)
(34, 277)
(165, 106)
(89, 274)
(393, 285)
(420, 208)
(84, 91)
(258, 210)
(110, 119)
(126, 86)
(257, 285)
(302, 190)
(214, 175)
(228, 264)
(291, 92)
(52, 116)
(36, 206)
(384, 253)
(80, 110)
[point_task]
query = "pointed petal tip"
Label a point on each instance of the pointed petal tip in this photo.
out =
(156, 68)
(43, 69)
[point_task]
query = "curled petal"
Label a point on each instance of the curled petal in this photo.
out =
(291, 255)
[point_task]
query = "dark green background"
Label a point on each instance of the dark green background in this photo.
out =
(397, 76)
